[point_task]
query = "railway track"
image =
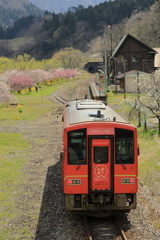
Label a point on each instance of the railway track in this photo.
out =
(82, 91)
(85, 89)
(106, 228)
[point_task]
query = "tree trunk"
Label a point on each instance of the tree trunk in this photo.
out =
(145, 125)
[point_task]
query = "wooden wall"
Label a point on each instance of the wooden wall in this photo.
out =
(137, 56)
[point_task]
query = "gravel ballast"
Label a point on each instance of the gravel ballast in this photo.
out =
(40, 199)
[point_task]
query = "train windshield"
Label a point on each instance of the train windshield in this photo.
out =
(101, 154)
(124, 146)
(77, 147)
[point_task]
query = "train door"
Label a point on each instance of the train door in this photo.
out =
(100, 165)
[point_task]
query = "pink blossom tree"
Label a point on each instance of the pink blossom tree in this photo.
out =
(38, 75)
(5, 94)
(19, 82)
(66, 73)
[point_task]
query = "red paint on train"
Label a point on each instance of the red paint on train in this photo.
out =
(100, 159)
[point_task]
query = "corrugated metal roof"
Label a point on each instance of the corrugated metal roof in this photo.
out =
(88, 112)
(131, 74)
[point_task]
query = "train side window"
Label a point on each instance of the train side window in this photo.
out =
(101, 154)
(124, 146)
(77, 147)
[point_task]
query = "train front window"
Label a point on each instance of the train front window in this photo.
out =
(101, 154)
(124, 146)
(77, 147)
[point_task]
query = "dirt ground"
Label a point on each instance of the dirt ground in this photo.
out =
(39, 195)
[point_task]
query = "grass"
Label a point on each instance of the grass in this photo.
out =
(11, 146)
(13, 150)
(33, 104)
(12, 160)
(114, 99)
(149, 170)
(149, 165)
(149, 143)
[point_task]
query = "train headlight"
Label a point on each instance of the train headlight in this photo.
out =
(127, 180)
(74, 181)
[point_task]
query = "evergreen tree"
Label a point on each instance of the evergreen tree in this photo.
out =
(9, 33)
(81, 13)
(1, 32)
(55, 22)
(70, 21)
(92, 17)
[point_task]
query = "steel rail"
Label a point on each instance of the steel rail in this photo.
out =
(88, 229)
(120, 228)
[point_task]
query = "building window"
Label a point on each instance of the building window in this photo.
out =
(134, 58)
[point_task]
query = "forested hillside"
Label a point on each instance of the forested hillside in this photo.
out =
(83, 28)
(111, 12)
(58, 6)
(15, 9)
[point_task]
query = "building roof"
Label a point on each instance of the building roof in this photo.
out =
(123, 40)
(132, 73)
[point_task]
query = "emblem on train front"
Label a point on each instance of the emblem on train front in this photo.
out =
(101, 171)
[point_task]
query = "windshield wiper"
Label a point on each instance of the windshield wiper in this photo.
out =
(122, 164)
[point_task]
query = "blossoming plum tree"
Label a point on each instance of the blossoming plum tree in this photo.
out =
(151, 100)
(19, 82)
(5, 94)
(148, 100)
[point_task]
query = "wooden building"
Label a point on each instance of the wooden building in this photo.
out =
(132, 54)
(128, 81)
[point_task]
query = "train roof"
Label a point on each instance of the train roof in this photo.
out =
(89, 110)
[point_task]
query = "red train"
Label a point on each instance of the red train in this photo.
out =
(100, 159)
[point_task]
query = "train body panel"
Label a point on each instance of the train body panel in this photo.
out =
(100, 160)
(76, 179)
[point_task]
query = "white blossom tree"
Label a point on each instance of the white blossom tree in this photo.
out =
(151, 99)
(5, 94)
(147, 100)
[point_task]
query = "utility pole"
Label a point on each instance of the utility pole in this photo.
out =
(105, 60)
(111, 66)
(110, 31)
(115, 73)
(124, 64)
(138, 93)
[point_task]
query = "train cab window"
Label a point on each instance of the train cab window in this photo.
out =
(77, 147)
(124, 146)
(101, 154)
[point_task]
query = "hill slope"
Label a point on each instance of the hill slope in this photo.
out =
(47, 35)
(15, 9)
(58, 6)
